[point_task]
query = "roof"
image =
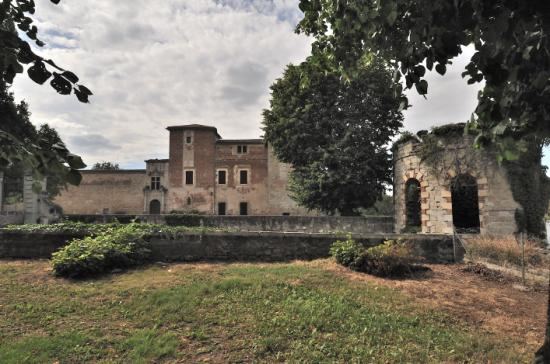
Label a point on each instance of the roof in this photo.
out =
(157, 160)
(107, 171)
(241, 141)
(194, 127)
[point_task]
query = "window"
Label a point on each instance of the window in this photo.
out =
(243, 177)
(221, 208)
(222, 177)
(243, 208)
(188, 139)
(189, 201)
(189, 178)
(242, 149)
(155, 183)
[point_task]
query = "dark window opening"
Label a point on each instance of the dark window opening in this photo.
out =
(155, 183)
(242, 149)
(154, 207)
(286, 213)
(188, 140)
(189, 177)
(221, 208)
(243, 208)
(222, 177)
(412, 203)
(189, 201)
(465, 201)
(243, 177)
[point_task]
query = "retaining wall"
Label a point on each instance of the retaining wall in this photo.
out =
(243, 246)
(304, 224)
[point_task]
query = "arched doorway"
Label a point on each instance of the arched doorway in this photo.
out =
(465, 201)
(412, 203)
(154, 207)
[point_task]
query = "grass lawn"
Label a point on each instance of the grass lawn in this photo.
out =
(226, 313)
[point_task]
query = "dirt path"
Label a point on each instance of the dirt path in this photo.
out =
(495, 306)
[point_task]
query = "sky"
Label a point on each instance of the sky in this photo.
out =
(152, 64)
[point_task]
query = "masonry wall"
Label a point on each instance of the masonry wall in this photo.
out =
(100, 191)
(233, 193)
(496, 204)
(230, 246)
(197, 156)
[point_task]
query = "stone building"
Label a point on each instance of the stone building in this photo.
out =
(204, 173)
(441, 182)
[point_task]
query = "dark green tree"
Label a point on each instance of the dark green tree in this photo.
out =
(40, 151)
(106, 166)
(16, 54)
(510, 37)
(334, 132)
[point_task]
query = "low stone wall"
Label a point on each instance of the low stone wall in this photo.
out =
(264, 246)
(11, 219)
(304, 224)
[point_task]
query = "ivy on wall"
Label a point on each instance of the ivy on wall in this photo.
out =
(530, 187)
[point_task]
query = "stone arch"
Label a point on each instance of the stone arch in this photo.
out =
(465, 203)
(154, 207)
(413, 209)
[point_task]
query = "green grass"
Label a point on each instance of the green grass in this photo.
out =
(224, 313)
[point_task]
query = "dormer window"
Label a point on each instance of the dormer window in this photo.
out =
(242, 149)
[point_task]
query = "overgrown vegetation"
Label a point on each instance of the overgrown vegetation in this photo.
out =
(115, 248)
(165, 231)
(506, 250)
(298, 312)
(393, 258)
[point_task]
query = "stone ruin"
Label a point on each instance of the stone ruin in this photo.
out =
(442, 183)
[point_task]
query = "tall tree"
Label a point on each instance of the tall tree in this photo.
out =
(334, 132)
(511, 39)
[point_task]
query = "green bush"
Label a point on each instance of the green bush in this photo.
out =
(346, 251)
(391, 259)
(115, 248)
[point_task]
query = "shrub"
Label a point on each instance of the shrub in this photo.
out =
(346, 251)
(390, 259)
(115, 248)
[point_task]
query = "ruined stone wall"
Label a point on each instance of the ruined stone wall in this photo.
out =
(111, 191)
(496, 204)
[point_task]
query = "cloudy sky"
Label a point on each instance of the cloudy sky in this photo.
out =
(152, 64)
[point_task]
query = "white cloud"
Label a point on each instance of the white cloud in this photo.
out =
(154, 64)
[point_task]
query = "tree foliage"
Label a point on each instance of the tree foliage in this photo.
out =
(106, 166)
(334, 132)
(40, 151)
(510, 39)
(18, 137)
(16, 52)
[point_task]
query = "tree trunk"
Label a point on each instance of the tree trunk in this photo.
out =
(542, 356)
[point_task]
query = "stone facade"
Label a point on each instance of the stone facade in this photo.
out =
(204, 173)
(496, 206)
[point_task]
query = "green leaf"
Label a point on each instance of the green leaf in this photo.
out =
(38, 72)
(422, 87)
